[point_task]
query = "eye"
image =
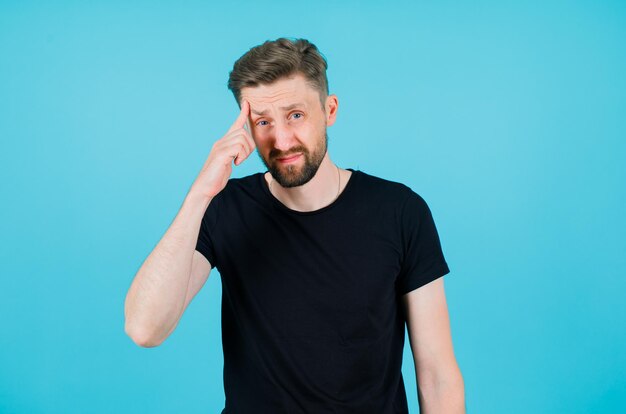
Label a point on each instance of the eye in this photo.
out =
(298, 113)
(261, 123)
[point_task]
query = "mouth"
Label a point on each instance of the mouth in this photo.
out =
(289, 159)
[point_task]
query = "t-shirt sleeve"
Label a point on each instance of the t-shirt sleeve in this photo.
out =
(423, 259)
(207, 227)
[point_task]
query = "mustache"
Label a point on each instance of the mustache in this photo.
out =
(283, 154)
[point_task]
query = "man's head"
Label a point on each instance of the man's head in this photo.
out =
(285, 83)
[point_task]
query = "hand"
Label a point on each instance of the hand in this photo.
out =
(235, 146)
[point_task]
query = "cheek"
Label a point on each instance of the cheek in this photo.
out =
(263, 146)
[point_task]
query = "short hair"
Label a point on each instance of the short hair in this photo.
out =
(277, 59)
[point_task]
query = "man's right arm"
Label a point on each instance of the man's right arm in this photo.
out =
(167, 280)
(174, 271)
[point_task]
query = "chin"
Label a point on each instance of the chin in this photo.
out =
(290, 176)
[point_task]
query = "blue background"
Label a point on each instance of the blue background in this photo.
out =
(507, 117)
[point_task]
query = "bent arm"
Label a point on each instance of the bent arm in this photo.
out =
(440, 383)
(165, 283)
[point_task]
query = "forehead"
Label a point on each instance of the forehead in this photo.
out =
(282, 93)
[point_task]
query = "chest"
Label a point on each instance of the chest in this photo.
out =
(331, 275)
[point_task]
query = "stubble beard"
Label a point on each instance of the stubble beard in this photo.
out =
(292, 175)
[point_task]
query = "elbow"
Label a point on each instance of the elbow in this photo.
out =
(144, 329)
(451, 379)
(446, 379)
(141, 336)
(448, 387)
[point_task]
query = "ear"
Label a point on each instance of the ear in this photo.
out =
(332, 103)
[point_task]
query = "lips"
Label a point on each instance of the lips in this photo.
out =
(289, 159)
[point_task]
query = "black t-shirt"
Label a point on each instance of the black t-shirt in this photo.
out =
(312, 320)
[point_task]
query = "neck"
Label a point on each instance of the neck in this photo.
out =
(319, 192)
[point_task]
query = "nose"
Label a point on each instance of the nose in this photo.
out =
(284, 136)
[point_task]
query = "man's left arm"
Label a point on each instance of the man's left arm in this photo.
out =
(439, 379)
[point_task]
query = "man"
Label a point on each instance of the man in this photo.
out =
(321, 266)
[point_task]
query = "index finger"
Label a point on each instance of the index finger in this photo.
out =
(242, 118)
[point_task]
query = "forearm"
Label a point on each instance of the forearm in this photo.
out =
(445, 395)
(156, 298)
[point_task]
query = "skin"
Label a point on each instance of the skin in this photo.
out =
(174, 272)
(278, 133)
(441, 386)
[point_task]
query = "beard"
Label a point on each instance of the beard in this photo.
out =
(293, 175)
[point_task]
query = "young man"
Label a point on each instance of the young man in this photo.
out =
(321, 267)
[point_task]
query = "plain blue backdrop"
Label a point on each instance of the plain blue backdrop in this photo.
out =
(507, 117)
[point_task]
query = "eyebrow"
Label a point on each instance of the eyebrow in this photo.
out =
(284, 108)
